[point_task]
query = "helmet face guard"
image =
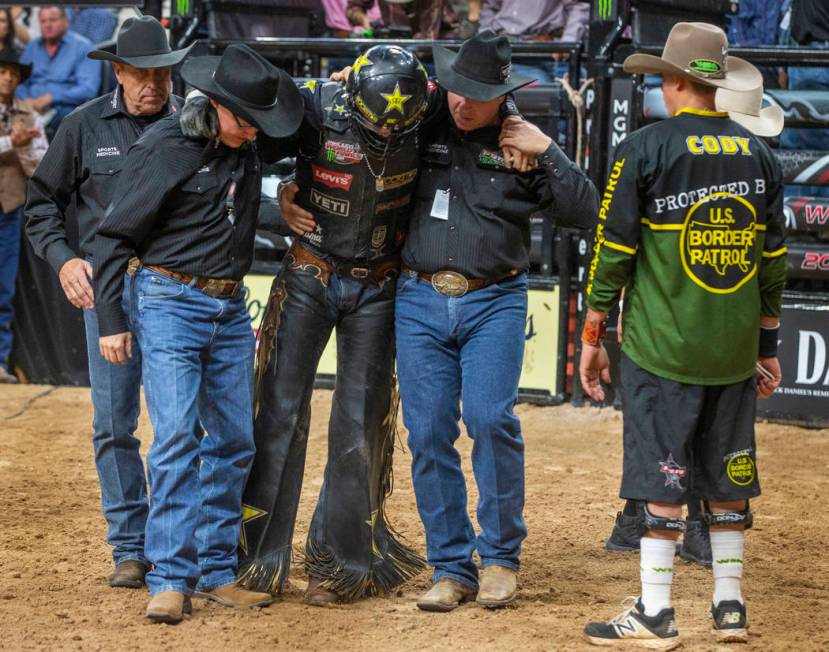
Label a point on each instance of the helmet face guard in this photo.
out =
(387, 89)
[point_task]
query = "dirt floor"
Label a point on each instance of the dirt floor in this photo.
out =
(54, 558)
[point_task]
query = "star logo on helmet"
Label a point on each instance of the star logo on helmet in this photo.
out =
(395, 100)
(361, 61)
(339, 109)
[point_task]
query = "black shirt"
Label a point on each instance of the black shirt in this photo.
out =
(486, 233)
(187, 204)
(83, 160)
(810, 21)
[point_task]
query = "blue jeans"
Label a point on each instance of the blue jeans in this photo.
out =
(543, 72)
(816, 78)
(9, 259)
(197, 363)
(467, 349)
(116, 396)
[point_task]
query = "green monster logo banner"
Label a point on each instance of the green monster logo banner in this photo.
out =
(605, 9)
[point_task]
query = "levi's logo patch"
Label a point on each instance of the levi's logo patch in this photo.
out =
(332, 179)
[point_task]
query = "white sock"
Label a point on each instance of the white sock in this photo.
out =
(727, 556)
(656, 570)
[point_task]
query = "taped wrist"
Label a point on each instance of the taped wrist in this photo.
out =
(768, 342)
(593, 332)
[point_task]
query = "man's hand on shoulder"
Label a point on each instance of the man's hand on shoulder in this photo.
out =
(74, 279)
(300, 220)
(524, 136)
(117, 348)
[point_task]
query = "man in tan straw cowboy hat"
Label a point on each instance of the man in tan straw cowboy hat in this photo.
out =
(691, 225)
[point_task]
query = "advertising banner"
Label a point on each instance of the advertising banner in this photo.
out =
(541, 347)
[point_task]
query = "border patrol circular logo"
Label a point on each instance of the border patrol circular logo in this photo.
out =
(740, 469)
(717, 243)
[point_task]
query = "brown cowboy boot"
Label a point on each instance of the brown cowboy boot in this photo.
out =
(232, 595)
(499, 586)
(168, 607)
(129, 574)
(445, 595)
(316, 595)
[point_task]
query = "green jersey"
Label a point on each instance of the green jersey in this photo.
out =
(691, 225)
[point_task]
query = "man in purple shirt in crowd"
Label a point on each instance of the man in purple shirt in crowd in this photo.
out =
(543, 20)
(62, 77)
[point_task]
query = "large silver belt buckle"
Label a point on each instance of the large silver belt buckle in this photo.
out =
(450, 284)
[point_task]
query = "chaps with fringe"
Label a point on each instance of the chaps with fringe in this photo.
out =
(350, 546)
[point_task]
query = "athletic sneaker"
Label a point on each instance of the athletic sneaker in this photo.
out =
(696, 543)
(625, 536)
(632, 628)
(730, 622)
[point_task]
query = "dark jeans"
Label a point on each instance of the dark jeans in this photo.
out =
(466, 350)
(9, 259)
(349, 544)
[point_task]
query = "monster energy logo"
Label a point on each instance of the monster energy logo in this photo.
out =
(605, 9)
(182, 7)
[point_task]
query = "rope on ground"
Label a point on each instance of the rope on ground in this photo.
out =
(576, 98)
(28, 403)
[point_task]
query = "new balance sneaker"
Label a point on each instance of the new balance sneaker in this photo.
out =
(625, 536)
(632, 628)
(730, 621)
(696, 543)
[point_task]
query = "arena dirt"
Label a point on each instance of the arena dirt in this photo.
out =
(54, 559)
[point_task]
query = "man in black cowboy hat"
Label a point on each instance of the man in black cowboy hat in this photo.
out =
(22, 145)
(84, 163)
(186, 204)
(461, 312)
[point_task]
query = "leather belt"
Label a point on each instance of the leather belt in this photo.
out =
(377, 273)
(454, 284)
(213, 287)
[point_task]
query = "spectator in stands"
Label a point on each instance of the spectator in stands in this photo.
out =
(429, 19)
(809, 23)
(62, 77)
(96, 24)
(337, 21)
(22, 145)
(545, 20)
(13, 35)
(757, 24)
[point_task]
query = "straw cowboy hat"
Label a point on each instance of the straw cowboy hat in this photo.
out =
(699, 52)
(745, 109)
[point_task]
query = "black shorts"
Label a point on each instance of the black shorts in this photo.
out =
(687, 441)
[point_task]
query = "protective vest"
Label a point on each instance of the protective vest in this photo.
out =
(360, 205)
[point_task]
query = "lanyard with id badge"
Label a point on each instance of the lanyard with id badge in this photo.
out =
(440, 205)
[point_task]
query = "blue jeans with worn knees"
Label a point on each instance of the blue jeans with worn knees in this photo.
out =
(197, 354)
(9, 258)
(116, 397)
(465, 350)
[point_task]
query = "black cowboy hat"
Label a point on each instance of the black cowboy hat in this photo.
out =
(10, 58)
(481, 70)
(142, 43)
(246, 84)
